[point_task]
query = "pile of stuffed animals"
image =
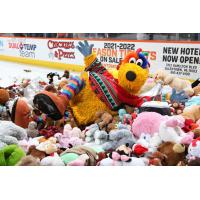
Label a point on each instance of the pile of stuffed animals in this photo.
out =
(122, 117)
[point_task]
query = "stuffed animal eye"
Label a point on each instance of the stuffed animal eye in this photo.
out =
(132, 60)
(139, 62)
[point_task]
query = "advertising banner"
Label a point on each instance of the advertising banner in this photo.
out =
(179, 58)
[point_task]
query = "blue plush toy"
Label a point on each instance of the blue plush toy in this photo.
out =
(195, 100)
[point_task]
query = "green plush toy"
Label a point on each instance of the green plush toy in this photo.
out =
(10, 155)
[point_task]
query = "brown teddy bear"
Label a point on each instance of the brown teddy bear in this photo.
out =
(29, 161)
(36, 153)
(174, 82)
(174, 153)
(106, 121)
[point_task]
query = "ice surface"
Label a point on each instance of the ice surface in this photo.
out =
(11, 72)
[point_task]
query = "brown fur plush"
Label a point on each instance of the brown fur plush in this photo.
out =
(172, 157)
(104, 119)
(29, 161)
(36, 153)
(4, 96)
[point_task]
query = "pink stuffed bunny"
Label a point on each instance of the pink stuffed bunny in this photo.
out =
(70, 137)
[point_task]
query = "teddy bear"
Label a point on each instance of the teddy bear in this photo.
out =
(192, 112)
(150, 123)
(29, 161)
(72, 154)
(52, 160)
(118, 137)
(102, 91)
(49, 146)
(143, 146)
(70, 137)
(27, 142)
(122, 156)
(36, 153)
(103, 119)
(32, 130)
(174, 153)
(170, 130)
(10, 155)
(194, 149)
(174, 82)
(10, 133)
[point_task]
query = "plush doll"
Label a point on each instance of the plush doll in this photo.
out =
(102, 91)
(73, 154)
(10, 155)
(192, 112)
(32, 130)
(4, 113)
(170, 130)
(143, 145)
(52, 160)
(194, 149)
(103, 119)
(36, 153)
(80, 161)
(175, 82)
(4, 96)
(70, 137)
(156, 158)
(174, 153)
(195, 100)
(10, 133)
(90, 131)
(134, 162)
(49, 146)
(26, 143)
(150, 123)
(118, 137)
(29, 161)
(122, 157)
(20, 112)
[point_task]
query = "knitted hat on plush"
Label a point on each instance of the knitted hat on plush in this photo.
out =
(21, 113)
(10, 155)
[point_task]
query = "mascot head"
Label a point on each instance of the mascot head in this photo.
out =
(133, 71)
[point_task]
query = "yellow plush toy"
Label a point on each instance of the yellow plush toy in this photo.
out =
(102, 91)
(174, 82)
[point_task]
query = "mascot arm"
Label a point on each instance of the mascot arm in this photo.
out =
(91, 62)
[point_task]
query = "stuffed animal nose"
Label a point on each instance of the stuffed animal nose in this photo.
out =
(131, 76)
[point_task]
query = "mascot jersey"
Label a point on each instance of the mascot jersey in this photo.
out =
(108, 90)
